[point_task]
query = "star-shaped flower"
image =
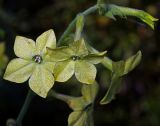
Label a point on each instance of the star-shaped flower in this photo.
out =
(33, 63)
(75, 59)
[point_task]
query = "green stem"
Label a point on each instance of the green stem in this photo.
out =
(24, 107)
(59, 96)
(72, 24)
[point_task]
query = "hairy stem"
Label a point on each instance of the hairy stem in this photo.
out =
(25, 107)
(72, 24)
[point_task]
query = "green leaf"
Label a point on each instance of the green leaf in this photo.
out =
(79, 48)
(64, 70)
(24, 47)
(46, 39)
(79, 26)
(18, 70)
(85, 72)
(95, 58)
(41, 81)
(120, 69)
(59, 54)
(123, 12)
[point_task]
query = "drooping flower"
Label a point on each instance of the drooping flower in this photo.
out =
(32, 63)
(75, 59)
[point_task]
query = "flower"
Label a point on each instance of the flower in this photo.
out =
(75, 59)
(32, 63)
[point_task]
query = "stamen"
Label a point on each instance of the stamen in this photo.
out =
(37, 59)
(74, 58)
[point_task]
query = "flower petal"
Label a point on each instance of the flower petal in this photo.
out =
(24, 47)
(18, 70)
(41, 81)
(79, 47)
(95, 58)
(49, 66)
(59, 54)
(46, 39)
(85, 72)
(64, 70)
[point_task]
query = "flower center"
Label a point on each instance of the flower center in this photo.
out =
(37, 59)
(74, 58)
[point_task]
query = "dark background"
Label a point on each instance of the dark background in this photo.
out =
(138, 102)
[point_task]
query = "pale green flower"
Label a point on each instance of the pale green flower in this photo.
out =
(32, 63)
(75, 59)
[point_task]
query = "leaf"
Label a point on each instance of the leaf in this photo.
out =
(95, 58)
(120, 69)
(18, 70)
(64, 70)
(46, 39)
(24, 47)
(41, 81)
(123, 12)
(85, 72)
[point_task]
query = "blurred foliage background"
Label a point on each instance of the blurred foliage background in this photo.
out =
(138, 102)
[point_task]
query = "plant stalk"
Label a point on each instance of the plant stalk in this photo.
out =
(72, 24)
(25, 107)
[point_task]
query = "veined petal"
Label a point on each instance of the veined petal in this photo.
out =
(79, 47)
(41, 81)
(46, 39)
(95, 58)
(24, 47)
(59, 54)
(85, 72)
(18, 70)
(49, 66)
(64, 70)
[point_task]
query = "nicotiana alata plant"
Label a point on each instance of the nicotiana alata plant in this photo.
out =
(43, 63)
